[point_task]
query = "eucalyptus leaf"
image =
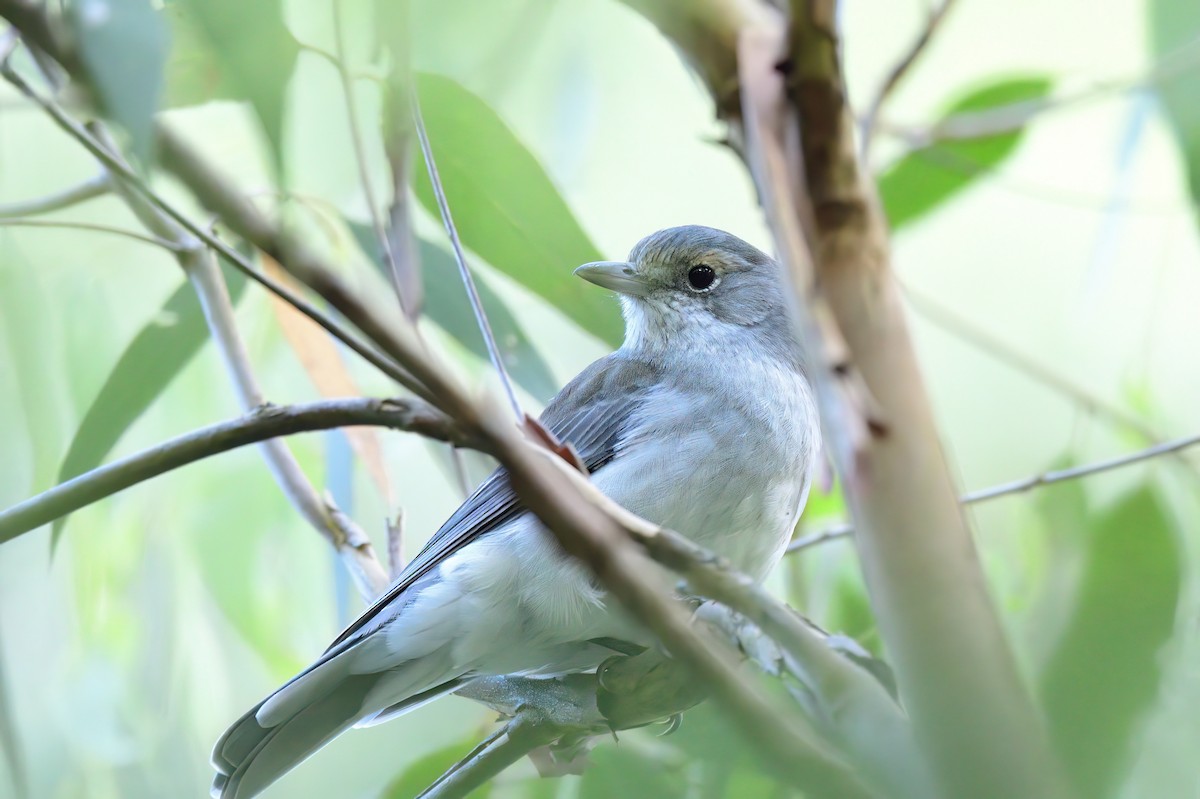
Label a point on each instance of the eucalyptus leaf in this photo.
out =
(506, 207)
(157, 353)
(447, 305)
(1104, 672)
(236, 50)
(927, 177)
(124, 45)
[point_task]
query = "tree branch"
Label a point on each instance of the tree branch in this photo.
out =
(261, 424)
(972, 715)
(87, 190)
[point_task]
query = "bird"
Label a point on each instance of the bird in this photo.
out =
(702, 421)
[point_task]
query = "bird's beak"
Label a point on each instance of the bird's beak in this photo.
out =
(619, 276)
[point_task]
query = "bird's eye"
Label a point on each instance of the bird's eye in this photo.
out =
(701, 277)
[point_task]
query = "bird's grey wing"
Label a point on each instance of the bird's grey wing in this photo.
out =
(591, 412)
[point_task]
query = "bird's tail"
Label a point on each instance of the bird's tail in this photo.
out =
(250, 756)
(316, 706)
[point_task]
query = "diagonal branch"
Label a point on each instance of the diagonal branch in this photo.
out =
(261, 424)
(1173, 447)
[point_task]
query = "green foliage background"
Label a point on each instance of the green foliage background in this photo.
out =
(565, 132)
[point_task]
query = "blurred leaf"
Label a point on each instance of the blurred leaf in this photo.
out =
(1104, 673)
(447, 305)
(236, 50)
(1175, 25)
(421, 774)
(319, 355)
(124, 45)
(234, 554)
(157, 353)
(505, 206)
(623, 770)
(927, 177)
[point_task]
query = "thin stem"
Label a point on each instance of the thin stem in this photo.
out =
(1087, 470)
(820, 537)
(901, 69)
(87, 190)
(1173, 447)
(356, 141)
(91, 227)
(485, 327)
(118, 168)
(261, 424)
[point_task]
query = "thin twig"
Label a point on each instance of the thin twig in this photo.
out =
(261, 424)
(356, 141)
(1087, 470)
(395, 21)
(89, 189)
(117, 168)
(92, 227)
(481, 319)
(1172, 447)
(898, 72)
(820, 537)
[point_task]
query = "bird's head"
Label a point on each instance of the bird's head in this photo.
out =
(697, 287)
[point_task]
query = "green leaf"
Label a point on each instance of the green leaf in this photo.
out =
(623, 770)
(927, 177)
(1104, 672)
(505, 206)
(237, 50)
(1175, 25)
(247, 592)
(447, 305)
(421, 774)
(123, 44)
(157, 353)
